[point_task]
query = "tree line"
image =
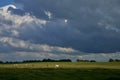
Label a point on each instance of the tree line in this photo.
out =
(110, 60)
(79, 60)
(114, 60)
(53, 60)
(30, 61)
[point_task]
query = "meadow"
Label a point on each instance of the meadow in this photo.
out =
(66, 71)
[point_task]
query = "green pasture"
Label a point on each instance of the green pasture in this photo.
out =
(66, 71)
(88, 65)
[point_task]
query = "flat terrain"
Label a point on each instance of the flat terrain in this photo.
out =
(66, 71)
(85, 65)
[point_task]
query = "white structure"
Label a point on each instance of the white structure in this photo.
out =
(57, 66)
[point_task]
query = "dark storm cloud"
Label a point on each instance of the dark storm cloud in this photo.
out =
(93, 26)
(60, 29)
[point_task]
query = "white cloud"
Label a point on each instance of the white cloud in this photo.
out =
(11, 23)
(17, 43)
(49, 14)
(113, 28)
(5, 8)
(14, 42)
(15, 33)
(66, 20)
(17, 19)
(66, 50)
(46, 51)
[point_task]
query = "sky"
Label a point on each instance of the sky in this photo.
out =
(5, 2)
(59, 29)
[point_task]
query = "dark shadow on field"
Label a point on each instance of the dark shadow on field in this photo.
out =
(113, 78)
(12, 78)
(58, 74)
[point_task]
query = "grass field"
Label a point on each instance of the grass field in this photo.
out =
(66, 71)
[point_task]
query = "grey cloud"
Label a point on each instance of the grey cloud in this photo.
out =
(93, 26)
(60, 28)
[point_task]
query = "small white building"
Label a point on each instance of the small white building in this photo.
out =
(57, 66)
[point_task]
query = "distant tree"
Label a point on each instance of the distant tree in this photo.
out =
(117, 60)
(48, 60)
(86, 61)
(1, 62)
(29, 61)
(61, 60)
(111, 60)
(79, 60)
(92, 61)
(65, 60)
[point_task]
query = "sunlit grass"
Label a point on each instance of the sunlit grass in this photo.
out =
(103, 65)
